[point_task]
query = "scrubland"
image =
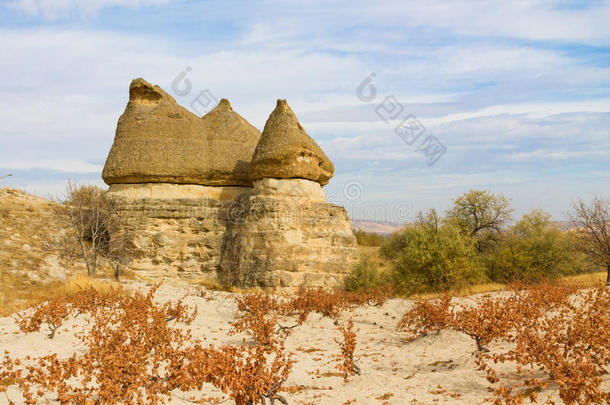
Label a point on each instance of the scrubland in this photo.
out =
(69, 338)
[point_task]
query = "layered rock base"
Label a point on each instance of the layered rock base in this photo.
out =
(288, 236)
(279, 233)
(180, 228)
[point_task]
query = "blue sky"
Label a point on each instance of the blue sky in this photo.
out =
(518, 93)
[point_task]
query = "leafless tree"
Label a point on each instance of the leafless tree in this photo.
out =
(593, 230)
(90, 229)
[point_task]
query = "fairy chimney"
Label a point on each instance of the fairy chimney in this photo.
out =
(221, 201)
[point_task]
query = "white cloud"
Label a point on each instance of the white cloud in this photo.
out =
(62, 165)
(53, 9)
(63, 88)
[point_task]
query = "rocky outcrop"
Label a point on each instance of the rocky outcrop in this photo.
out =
(180, 228)
(158, 141)
(211, 197)
(285, 150)
(288, 235)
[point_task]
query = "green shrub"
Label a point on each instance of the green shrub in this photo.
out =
(393, 245)
(533, 249)
(434, 256)
(368, 239)
(364, 276)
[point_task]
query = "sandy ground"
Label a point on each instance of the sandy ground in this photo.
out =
(435, 369)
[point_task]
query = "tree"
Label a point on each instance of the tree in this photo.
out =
(90, 229)
(593, 230)
(436, 256)
(479, 212)
(533, 249)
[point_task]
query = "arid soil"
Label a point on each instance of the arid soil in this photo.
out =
(438, 368)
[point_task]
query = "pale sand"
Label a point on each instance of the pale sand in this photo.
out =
(424, 371)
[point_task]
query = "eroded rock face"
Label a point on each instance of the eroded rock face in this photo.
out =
(158, 141)
(212, 198)
(288, 236)
(285, 150)
(180, 228)
(231, 141)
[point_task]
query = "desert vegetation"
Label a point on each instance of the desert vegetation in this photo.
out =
(135, 353)
(552, 333)
(545, 342)
(90, 230)
(544, 337)
(475, 243)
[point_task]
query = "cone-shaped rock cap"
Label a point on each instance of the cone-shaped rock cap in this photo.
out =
(158, 141)
(286, 151)
(231, 142)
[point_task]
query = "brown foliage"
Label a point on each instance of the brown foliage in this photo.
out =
(549, 328)
(569, 344)
(348, 345)
(489, 318)
(134, 355)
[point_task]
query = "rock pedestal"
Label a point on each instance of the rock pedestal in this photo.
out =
(180, 228)
(288, 236)
(212, 197)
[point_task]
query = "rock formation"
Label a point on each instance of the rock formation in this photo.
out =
(285, 151)
(211, 197)
(288, 234)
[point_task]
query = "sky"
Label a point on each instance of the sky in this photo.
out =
(414, 102)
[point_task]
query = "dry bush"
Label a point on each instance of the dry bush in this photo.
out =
(348, 345)
(259, 317)
(331, 303)
(54, 312)
(248, 373)
(548, 328)
(134, 355)
(489, 318)
(569, 345)
(90, 230)
(259, 313)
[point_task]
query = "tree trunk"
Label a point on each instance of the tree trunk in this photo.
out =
(83, 250)
(608, 274)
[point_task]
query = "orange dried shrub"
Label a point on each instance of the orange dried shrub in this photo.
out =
(330, 303)
(258, 318)
(126, 351)
(348, 346)
(248, 373)
(134, 355)
(426, 316)
(259, 313)
(488, 318)
(54, 312)
(569, 344)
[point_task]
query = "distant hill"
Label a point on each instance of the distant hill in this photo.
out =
(382, 228)
(387, 228)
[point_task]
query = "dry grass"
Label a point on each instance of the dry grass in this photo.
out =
(16, 299)
(464, 291)
(582, 280)
(588, 279)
